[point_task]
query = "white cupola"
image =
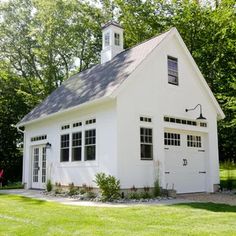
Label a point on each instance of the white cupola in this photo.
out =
(112, 40)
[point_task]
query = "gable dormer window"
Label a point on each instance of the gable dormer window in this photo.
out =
(117, 39)
(107, 39)
(173, 70)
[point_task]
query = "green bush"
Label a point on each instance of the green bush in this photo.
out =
(108, 185)
(58, 188)
(72, 189)
(134, 195)
(13, 185)
(157, 189)
(145, 195)
(49, 185)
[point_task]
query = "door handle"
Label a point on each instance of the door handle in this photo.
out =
(185, 162)
(202, 172)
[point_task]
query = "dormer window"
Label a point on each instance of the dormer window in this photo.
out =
(117, 39)
(173, 70)
(107, 39)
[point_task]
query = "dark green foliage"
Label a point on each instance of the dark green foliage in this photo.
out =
(72, 189)
(156, 189)
(133, 195)
(108, 185)
(145, 195)
(13, 185)
(228, 175)
(49, 185)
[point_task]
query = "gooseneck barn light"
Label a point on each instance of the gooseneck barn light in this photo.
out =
(201, 117)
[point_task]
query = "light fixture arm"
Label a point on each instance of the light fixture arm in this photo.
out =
(191, 109)
(201, 117)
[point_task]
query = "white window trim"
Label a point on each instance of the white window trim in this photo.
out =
(147, 125)
(81, 129)
(178, 79)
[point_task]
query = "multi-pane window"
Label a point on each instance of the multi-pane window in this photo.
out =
(77, 124)
(173, 70)
(179, 121)
(36, 165)
(44, 165)
(76, 146)
(91, 121)
(38, 138)
(65, 147)
(146, 146)
(117, 39)
(194, 141)
(145, 119)
(65, 127)
(203, 124)
(172, 139)
(90, 145)
(107, 39)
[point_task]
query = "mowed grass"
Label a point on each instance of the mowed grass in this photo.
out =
(25, 216)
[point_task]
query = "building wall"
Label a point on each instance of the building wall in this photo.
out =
(77, 172)
(148, 93)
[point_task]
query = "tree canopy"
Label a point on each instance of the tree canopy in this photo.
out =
(43, 42)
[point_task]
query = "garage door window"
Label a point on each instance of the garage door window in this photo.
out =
(194, 141)
(172, 139)
(146, 144)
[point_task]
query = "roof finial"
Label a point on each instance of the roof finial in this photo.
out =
(112, 10)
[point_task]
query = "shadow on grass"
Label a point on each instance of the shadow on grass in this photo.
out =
(215, 207)
(28, 200)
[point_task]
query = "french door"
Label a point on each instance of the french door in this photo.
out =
(39, 161)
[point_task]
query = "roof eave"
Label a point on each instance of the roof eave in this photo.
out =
(220, 113)
(81, 106)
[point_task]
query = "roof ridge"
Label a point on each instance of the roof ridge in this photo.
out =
(145, 41)
(127, 49)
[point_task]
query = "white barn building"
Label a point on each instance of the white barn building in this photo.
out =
(127, 117)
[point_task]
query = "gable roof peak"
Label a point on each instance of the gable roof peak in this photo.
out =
(111, 22)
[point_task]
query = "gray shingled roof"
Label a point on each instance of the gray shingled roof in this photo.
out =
(97, 82)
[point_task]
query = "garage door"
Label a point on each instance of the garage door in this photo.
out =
(185, 164)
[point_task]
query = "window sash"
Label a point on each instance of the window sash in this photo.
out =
(107, 39)
(117, 39)
(146, 143)
(172, 139)
(90, 145)
(172, 70)
(77, 146)
(65, 147)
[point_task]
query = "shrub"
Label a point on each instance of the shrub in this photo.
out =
(145, 195)
(157, 189)
(58, 188)
(72, 189)
(49, 185)
(108, 185)
(133, 195)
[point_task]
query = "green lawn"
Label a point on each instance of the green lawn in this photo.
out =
(25, 216)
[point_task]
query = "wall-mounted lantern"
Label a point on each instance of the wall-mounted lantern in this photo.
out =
(48, 145)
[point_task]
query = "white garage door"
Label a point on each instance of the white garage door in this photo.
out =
(185, 164)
